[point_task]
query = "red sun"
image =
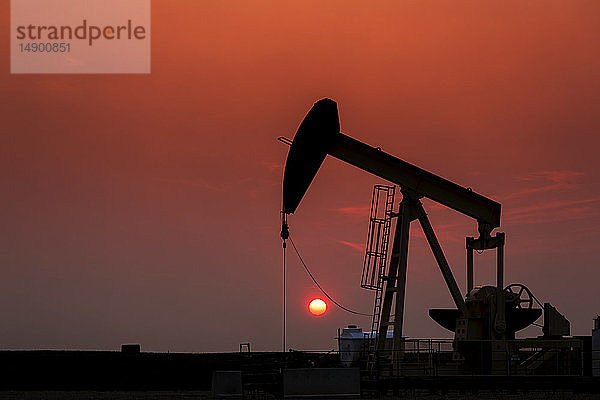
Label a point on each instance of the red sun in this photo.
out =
(317, 307)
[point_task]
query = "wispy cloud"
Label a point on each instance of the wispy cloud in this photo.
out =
(356, 246)
(273, 166)
(73, 61)
(199, 183)
(363, 211)
(547, 181)
(553, 211)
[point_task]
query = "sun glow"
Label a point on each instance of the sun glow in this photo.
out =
(317, 307)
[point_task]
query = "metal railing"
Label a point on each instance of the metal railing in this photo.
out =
(447, 357)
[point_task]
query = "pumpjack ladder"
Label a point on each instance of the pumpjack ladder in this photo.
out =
(375, 262)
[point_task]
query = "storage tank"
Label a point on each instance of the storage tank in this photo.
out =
(353, 344)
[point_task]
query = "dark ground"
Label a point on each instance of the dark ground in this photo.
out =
(150, 376)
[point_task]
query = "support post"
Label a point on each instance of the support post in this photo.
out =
(401, 283)
(395, 281)
(438, 253)
(486, 242)
(500, 261)
(500, 323)
(469, 264)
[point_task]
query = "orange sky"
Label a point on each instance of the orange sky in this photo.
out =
(145, 208)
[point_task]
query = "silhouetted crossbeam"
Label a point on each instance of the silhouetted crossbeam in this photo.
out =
(319, 134)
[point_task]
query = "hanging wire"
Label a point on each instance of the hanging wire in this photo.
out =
(319, 286)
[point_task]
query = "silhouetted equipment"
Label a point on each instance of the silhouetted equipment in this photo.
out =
(376, 250)
(481, 310)
(380, 223)
(486, 313)
(130, 348)
(244, 346)
(555, 324)
(319, 134)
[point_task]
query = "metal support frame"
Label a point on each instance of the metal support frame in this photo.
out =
(411, 209)
(469, 267)
(441, 261)
(395, 280)
(487, 242)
